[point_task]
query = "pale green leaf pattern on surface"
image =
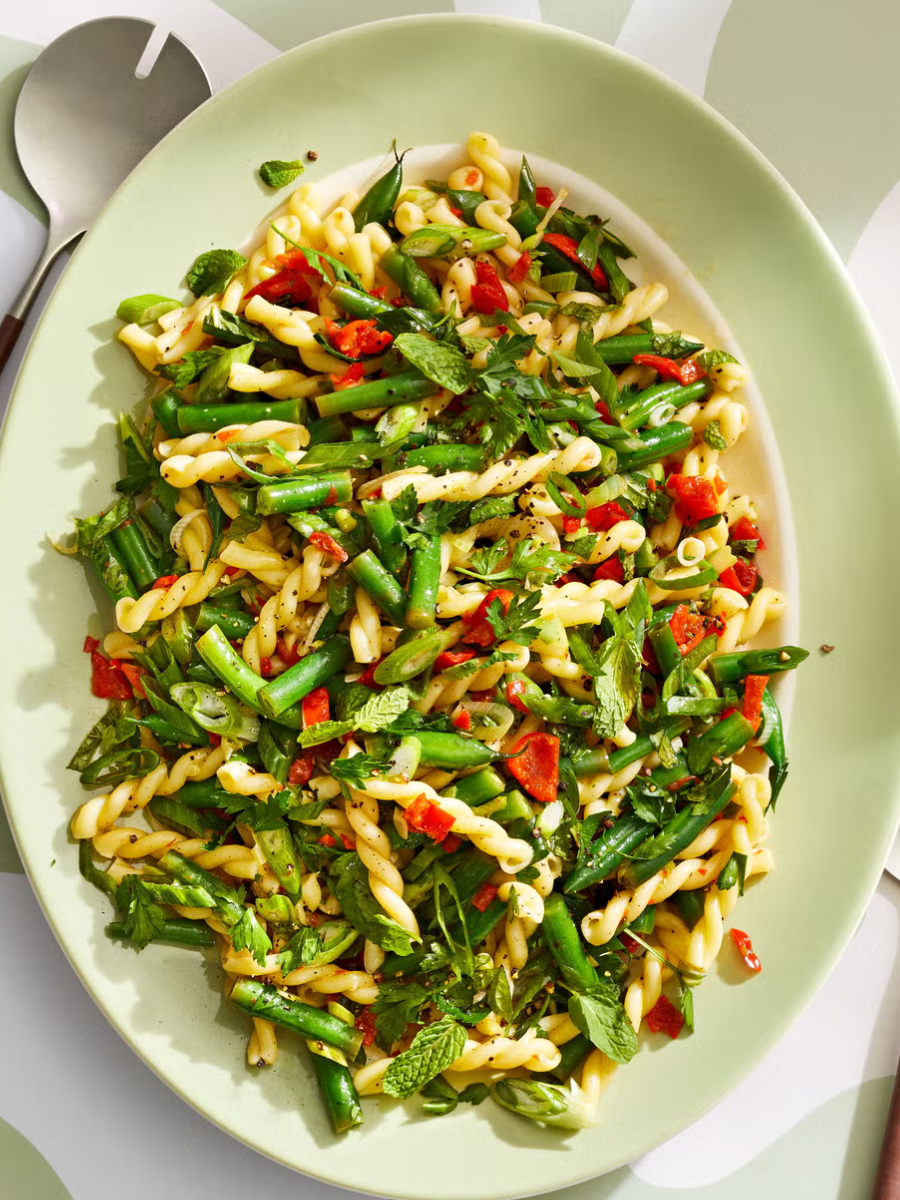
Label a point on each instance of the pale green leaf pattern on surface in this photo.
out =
(288, 25)
(602, 21)
(15, 60)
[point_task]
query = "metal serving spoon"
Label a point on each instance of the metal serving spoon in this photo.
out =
(84, 119)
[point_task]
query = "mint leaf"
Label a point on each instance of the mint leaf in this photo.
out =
(381, 710)
(276, 173)
(714, 437)
(440, 363)
(324, 731)
(187, 369)
(715, 358)
(248, 934)
(601, 1018)
(211, 271)
(433, 1050)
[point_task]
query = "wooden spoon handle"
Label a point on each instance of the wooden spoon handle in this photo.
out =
(10, 328)
(887, 1180)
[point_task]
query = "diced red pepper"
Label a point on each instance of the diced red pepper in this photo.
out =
(514, 689)
(265, 666)
(457, 212)
(569, 247)
(537, 767)
(688, 628)
(297, 283)
(107, 681)
(605, 413)
(368, 676)
(452, 658)
(315, 707)
(484, 897)
(288, 654)
(570, 524)
(487, 292)
(664, 1017)
(365, 1022)
(350, 378)
(569, 577)
(481, 632)
(462, 720)
(520, 268)
(483, 696)
(326, 840)
(544, 197)
(328, 545)
(423, 815)
(133, 673)
(301, 769)
(754, 690)
(741, 577)
(231, 571)
(695, 498)
(347, 841)
(378, 293)
(451, 842)
(605, 516)
(611, 569)
(164, 581)
(90, 645)
(630, 944)
(745, 949)
(684, 370)
(745, 531)
(213, 739)
(357, 338)
(472, 178)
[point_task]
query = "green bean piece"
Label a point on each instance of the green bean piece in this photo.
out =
(657, 444)
(112, 570)
(381, 586)
(278, 910)
(330, 429)
(212, 386)
(617, 351)
(165, 407)
(477, 788)
(299, 494)
(452, 751)
(378, 202)
(411, 280)
(210, 417)
(572, 1055)
(661, 395)
(591, 762)
(658, 851)
(336, 1085)
(773, 746)
(233, 623)
(667, 651)
(177, 930)
(732, 668)
(263, 1000)
(304, 676)
(378, 393)
(188, 872)
(441, 458)
(723, 740)
(564, 943)
(424, 579)
(358, 304)
(132, 546)
(159, 519)
(277, 748)
(437, 241)
(278, 847)
(517, 808)
(168, 811)
(387, 534)
(608, 852)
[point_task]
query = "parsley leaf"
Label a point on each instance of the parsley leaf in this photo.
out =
(650, 802)
(300, 950)
(530, 560)
(617, 685)
(276, 173)
(187, 369)
(601, 1017)
(356, 770)
(512, 625)
(500, 423)
(143, 919)
(397, 1005)
(248, 934)
(432, 1051)
(442, 364)
(211, 271)
(501, 370)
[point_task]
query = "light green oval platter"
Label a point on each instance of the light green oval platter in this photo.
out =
(778, 283)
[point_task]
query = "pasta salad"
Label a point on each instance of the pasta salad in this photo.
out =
(433, 704)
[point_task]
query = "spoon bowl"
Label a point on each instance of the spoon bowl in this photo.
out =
(85, 118)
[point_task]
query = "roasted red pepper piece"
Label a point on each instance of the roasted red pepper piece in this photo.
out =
(328, 545)
(544, 197)
(611, 569)
(569, 247)
(537, 767)
(487, 291)
(165, 581)
(484, 897)
(605, 516)
(745, 531)
(684, 370)
(301, 768)
(350, 378)
(287, 654)
(357, 338)
(745, 949)
(741, 577)
(107, 681)
(451, 842)
(315, 707)
(296, 283)
(427, 817)
(695, 498)
(520, 268)
(514, 689)
(462, 720)
(754, 689)
(664, 1017)
(481, 631)
(452, 658)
